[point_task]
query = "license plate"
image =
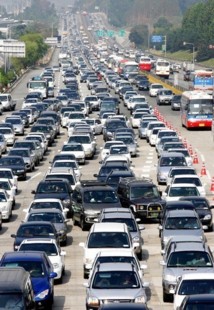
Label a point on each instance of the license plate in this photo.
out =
(201, 125)
(153, 214)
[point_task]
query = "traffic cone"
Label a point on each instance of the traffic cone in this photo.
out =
(195, 159)
(203, 170)
(190, 150)
(212, 185)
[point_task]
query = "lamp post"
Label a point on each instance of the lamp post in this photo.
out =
(193, 50)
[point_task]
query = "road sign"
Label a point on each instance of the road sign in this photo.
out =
(157, 39)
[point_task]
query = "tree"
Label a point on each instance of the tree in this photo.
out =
(139, 35)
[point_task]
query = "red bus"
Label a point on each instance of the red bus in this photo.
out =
(145, 64)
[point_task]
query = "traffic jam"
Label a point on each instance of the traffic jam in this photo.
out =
(99, 119)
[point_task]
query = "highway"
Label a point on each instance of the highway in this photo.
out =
(71, 293)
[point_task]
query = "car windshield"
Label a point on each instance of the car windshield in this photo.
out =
(46, 205)
(172, 161)
(52, 217)
(12, 301)
(119, 150)
(196, 286)
(35, 268)
(104, 171)
(72, 147)
(68, 164)
(100, 196)
(128, 221)
(32, 230)
(5, 185)
(49, 248)
(182, 223)
(144, 192)
(116, 280)
(3, 198)
(190, 180)
(7, 161)
(108, 240)
(172, 145)
(15, 121)
(5, 131)
(179, 191)
(126, 140)
(189, 259)
(5, 174)
(49, 187)
(79, 139)
(23, 153)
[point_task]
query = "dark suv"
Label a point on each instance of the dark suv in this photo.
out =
(89, 198)
(142, 196)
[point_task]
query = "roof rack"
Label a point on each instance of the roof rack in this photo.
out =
(87, 183)
(131, 179)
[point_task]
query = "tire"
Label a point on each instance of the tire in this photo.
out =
(139, 255)
(167, 297)
(210, 228)
(83, 224)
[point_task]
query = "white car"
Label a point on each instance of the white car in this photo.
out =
(9, 135)
(119, 158)
(6, 205)
(75, 117)
(154, 88)
(118, 149)
(7, 173)
(75, 149)
(153, 135)
(53, 251)
(136, 118)
(95, 125)
(175, 191)
(7, 185)
(135, 100)
(103, 236)
(185, 152)
(52, 203)
(190, 179)
(64, 118)
(179, 170)
(105, 116)
(105, 149)
(72, 164)
(191, 284)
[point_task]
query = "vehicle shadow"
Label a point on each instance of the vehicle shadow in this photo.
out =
(4, 229)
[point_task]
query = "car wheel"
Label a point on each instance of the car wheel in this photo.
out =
(139, 255)
(63, 243)
(83, 224)
(85, 275)
(210, 228)
(167, 297)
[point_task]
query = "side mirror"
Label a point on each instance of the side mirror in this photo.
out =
(82, 244)
(85, 284)
(160, 227)
(162, 263)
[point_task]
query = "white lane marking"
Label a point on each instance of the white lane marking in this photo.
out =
(33, 177)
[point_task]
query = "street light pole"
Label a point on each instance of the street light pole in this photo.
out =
(193, 50)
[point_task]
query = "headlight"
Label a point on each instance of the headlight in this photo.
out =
(140, 300)
(207, 217)
(93, 301)
(136, 239)
(170, 278)
(66, 201)
(43, 294)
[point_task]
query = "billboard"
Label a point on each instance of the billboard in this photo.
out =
(12, 48)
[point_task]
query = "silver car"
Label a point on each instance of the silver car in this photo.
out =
(17, 123)
(166, 162)
(114, 283)
(129, 142)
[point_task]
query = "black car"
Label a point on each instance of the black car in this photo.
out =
(176, 102)
(142, 196)
(106, 169)
(36, 229)
(203, 208)
(198, 302)
(16, 163)
(89, 198)
(113, 177)
(143, 84)
(55, 188)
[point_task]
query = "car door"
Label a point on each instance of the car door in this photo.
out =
(77, 201)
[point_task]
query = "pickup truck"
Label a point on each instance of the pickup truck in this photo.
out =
(8, 104)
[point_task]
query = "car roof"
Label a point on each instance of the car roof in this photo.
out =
(115, 267)
(23, 255)
(105, 227)
(197, 275)
(182, 185)
(172, 154)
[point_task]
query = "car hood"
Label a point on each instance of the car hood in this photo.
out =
(39, 285)
(100, 206)
(118, 294)
(148, 200)
(181, 232)
(179, 271)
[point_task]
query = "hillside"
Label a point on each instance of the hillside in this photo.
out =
(139, 11)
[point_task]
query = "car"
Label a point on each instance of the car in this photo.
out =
(32, 146)
(89, 198)
(164, 96)
(113, 178)
(53, 251)
(46, 130)
(9, 135)
(3, 144)
(184, 151)
(171, 146)
(115, 283)
(181, 223)
(54, 216)
(108, 167)
(16, 164)
(191, 179)
(175, 191)
(203, 208)
(55, 188)
(105, 149)
(176, 102)
(129, 141)
(143, 125)
(192, 257)
(166, 162)
(165, 132)
(123, 306)
(47, 203)
(25, 153)
(63, 173)
(111, 126)
(142, 196)
(136, 118)
(103, 236)
(193, 284)
(199, 302)
(17, 123)
(41, 272)
(89, 145)
(152, 125)
(75, 149)
(28, 230)
(153, 89)
(122, 215)
(134, 100)
(67, 164)
(10, 189)
(179, 170)
(8, 174)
